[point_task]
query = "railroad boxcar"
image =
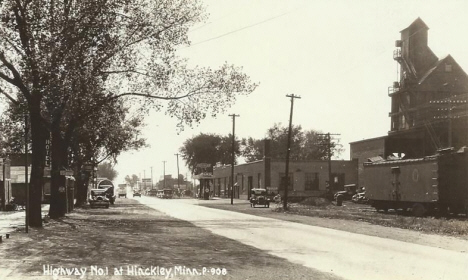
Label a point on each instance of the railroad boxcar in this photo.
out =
(434, 183)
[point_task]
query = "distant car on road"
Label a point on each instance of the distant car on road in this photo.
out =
(122, 190)
(166, 193)
(137, 194)
(98, 197)
(152, 192)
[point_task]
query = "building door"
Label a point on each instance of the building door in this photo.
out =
(338, 180)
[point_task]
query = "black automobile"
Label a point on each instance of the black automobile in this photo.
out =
(259, 197)
(98, 198)
(348, 192)
(137, 194)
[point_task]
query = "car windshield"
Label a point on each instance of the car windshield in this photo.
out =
(259, 192)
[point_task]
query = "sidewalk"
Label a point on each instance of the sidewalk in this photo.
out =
(10, 221)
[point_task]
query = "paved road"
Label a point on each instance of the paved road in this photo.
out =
(348, 255)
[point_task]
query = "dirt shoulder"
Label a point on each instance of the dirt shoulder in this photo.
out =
(132, 236)
(362, 219)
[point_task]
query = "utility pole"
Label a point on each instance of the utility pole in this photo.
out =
(285, 201)
(329, 154)
(178, 180)
(151, 177)
(26, 171)
(144, 176)
(233, 154)
(164, 174)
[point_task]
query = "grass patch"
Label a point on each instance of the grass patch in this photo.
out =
(322, 208)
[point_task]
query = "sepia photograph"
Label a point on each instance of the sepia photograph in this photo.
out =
(233, 139)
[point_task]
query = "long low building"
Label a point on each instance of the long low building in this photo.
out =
(308, 178)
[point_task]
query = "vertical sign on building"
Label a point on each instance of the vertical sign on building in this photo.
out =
(47, 157)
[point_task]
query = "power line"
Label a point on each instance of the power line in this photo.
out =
(242, 28)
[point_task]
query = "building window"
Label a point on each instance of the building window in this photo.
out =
(259, 180)
(448, 67)
(283, 181)
(311, 181)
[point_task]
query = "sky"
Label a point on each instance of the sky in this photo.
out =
(337, 55)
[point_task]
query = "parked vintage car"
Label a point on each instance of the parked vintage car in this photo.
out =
(346, 194)
(359, 198)
(98, 198)
(137, 193)
(259, 197)
(108, 186)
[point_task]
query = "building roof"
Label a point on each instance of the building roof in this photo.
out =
(445, 60)
(431, 70)
(418, 23)
(369, 139)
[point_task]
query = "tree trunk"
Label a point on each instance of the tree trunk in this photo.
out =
(38, 150)
(58, 198)
(82, 189)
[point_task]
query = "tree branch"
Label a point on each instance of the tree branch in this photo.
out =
(17, 81)
(152, 96)
(16, 102)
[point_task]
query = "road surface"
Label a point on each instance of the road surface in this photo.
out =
(347, 255)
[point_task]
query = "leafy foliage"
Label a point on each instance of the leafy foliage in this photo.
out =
(106, 170)
(81, 66)
(132, 180)
(12, 131)
(305, 145)
(208, 148)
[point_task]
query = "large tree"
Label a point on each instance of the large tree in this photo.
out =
(106, 134)
(106, 170)
(56, 53)
(132, 180)
(305, 145)
(208, 148)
